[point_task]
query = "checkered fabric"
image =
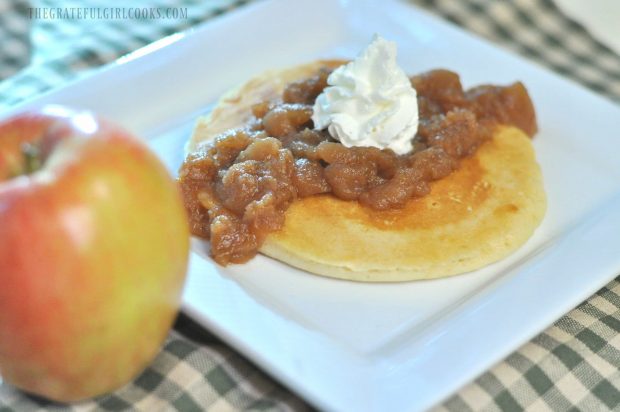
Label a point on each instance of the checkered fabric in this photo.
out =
(14, 30)
(192, 373)
(573, 365)
(67, 49)
(538, 30)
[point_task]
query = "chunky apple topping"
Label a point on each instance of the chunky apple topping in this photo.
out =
(238, 187)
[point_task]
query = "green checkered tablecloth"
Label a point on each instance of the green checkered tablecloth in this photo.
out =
(573, 365)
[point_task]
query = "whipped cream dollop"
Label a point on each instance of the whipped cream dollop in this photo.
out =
(370, 101)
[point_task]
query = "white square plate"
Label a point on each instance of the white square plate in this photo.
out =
(350, 346)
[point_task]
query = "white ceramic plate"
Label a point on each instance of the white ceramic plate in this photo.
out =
(350, 346)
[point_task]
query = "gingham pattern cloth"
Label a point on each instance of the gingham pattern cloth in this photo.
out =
(14, 33)
(573, 365)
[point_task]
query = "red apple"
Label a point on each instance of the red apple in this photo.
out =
(93, 253)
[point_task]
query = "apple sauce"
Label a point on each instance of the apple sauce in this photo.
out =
(237, 187)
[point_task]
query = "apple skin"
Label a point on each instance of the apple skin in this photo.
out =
(93, 256)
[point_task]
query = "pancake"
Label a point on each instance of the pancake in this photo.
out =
(234, 108)
(477, 215)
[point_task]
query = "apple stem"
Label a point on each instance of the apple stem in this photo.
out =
(31, 160)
